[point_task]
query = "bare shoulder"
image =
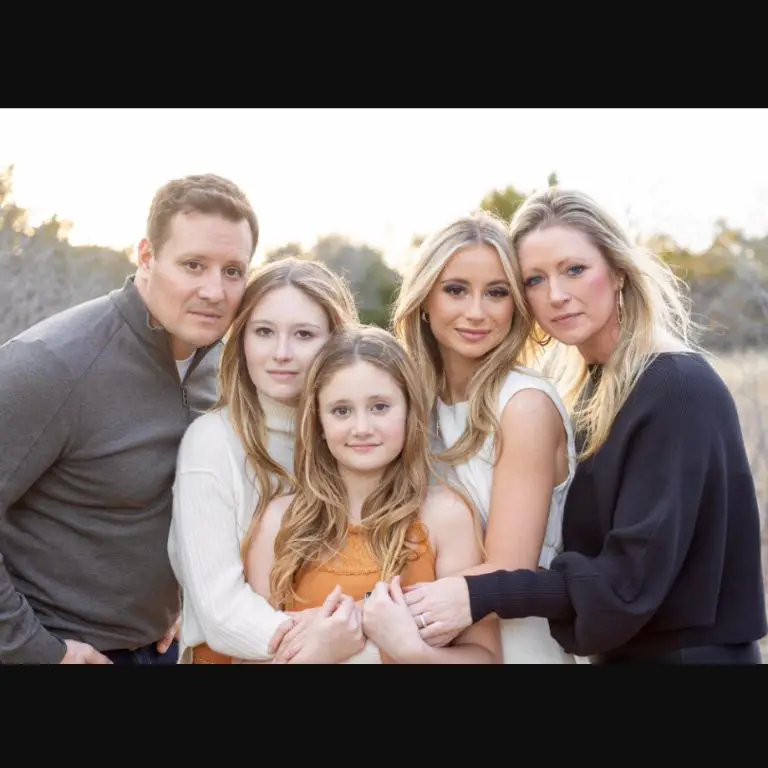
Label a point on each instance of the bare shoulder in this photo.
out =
(273, 514)
(445, 510)
(453, 530)
(530, 409)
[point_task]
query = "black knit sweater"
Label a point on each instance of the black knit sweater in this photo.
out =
(661, 529)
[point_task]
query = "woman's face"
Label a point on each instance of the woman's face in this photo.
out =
(570, 287)
(285, 332)
(470, 306)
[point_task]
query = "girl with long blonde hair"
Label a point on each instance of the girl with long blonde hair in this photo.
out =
(502, 429)
(661, 559)
(234, 459)
(363, 518)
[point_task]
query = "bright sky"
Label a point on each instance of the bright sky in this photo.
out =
(382, 175)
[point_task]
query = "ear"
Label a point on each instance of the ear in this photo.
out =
(146, 255)
(619, 278)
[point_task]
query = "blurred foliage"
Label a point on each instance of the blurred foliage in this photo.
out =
(44, 273)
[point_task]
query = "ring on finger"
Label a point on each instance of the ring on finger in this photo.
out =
(422, 621)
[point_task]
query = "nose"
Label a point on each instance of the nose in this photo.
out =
(284, 348)
(212, 288)
(476, 310)
(557, 294)
(362, 422)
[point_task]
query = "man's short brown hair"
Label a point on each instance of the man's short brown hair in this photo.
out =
(206, 193)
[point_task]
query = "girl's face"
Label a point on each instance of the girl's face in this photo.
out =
(363, 414)
(285, 332)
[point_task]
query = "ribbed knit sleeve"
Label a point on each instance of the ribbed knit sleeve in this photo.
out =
(663, 446)
(234, 619)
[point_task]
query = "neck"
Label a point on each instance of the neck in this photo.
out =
(458, 373)
(599, 348)
(181, 349)
(359, 486)
(279, 415)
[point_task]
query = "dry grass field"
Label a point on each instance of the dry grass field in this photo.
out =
(746, 374)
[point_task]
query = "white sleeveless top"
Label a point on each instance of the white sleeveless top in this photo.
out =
(524, 640)
(476, 475)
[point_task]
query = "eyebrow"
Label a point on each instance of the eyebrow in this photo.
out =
(462, 281)
(203, 257)
(344, 400)
(558, 265)
(258, 321)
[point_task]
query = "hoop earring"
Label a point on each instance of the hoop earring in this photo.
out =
(620, 305)
(424, 317)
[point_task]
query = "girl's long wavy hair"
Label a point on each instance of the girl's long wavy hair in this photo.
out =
(655, 313)
(518, 348)
(237, 389)
(315, 523)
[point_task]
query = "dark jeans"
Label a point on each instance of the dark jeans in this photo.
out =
(147, 654)
(747, 653)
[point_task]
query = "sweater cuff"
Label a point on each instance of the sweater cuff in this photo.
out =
(41, 648)
(516, 594)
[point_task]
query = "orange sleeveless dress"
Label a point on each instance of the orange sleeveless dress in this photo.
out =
(356, 572)
(354, 569)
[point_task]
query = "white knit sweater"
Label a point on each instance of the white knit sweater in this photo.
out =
(214, 497)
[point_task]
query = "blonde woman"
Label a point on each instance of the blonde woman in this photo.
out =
(364, 520)
(505, 431)
(661, 528)
(234, 459)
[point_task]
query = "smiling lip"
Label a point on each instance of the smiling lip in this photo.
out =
(282, 374)
(363, 447)
(471, 335)
(569, 316)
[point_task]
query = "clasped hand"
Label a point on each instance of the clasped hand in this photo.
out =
(337, 630)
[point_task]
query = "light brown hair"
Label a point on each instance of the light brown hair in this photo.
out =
(518, 348)
(237, 389)
(204, 193)
(654, 315)
(314, 525)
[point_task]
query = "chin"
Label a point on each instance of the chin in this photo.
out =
(203, 339)
(356, 464)
(572, 339)
(285, 395)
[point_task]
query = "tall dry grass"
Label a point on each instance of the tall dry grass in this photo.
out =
(746, 374)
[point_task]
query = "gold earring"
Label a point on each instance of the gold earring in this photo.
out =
(620, 305)
(425, 316)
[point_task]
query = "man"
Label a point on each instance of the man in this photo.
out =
(93, 404)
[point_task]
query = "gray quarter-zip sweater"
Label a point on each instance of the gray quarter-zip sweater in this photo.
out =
(92, 412)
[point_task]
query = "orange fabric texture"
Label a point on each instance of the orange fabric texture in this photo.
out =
(356, 572)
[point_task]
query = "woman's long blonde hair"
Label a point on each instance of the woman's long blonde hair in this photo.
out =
(314, 525)
(654, 311)
(413, 331)
(237, 389)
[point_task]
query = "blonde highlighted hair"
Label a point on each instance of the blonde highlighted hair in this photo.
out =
(654, 313)
(413, 331)
(314, 525)
(237, 389)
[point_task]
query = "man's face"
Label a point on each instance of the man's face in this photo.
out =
(194, 284)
